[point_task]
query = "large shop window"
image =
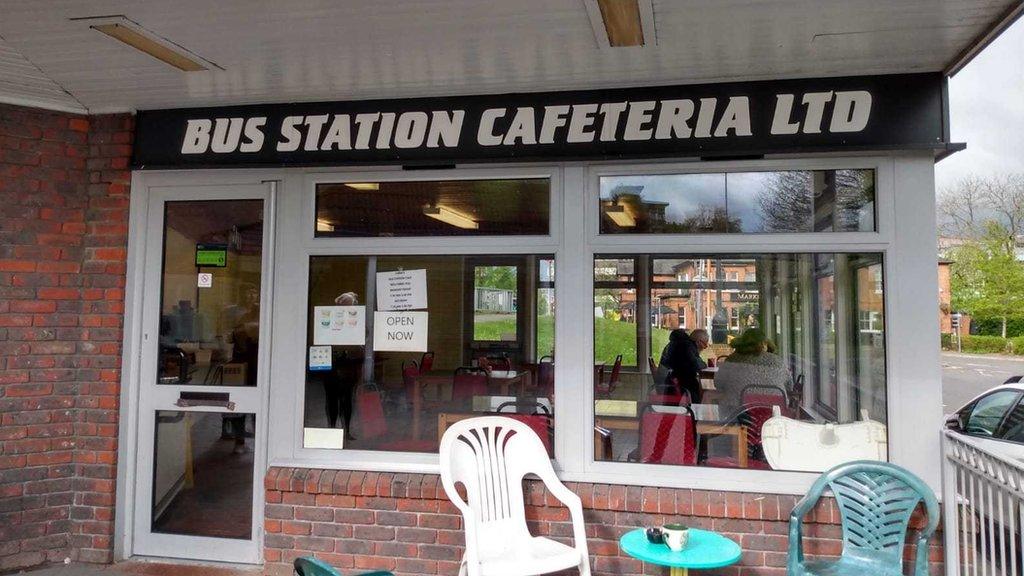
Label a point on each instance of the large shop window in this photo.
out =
(407, 345)
(739, 202)
(758, 361)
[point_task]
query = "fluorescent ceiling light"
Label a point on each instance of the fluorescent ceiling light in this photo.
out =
(622, 23)
(323, 225)
(449, 216)
(619, 215)
(131, 33)
(363, 185)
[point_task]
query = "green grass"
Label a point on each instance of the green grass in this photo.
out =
(611, 337)
(492, 330)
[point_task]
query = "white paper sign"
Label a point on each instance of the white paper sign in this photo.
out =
(319, 358)
(402, 290)
(400, 331)
(339, 325)
(205, 280)
(329, 438)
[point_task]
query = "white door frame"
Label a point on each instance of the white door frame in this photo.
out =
(149, 191)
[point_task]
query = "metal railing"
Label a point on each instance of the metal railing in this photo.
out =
(983, 505)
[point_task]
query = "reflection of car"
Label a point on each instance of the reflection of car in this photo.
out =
(995, 420)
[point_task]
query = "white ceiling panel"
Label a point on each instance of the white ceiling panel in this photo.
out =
(21, 82)
(295, 50)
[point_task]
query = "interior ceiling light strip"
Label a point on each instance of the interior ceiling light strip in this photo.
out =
(365, 186)
(449, 216)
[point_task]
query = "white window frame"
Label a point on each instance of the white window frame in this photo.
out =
(881, 240)
(309, 245)
(904, 195)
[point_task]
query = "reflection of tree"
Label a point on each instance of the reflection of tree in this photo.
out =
(611, 302)
(499, 277)
(706, 218)
(790, 202)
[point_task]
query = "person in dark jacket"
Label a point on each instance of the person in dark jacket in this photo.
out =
(682, 362)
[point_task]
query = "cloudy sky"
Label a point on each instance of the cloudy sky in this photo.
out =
(987, 112)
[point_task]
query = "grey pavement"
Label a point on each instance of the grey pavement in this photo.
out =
(72, 570)
(964, 376)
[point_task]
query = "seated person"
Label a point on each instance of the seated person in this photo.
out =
(751, 363)
(681, 361)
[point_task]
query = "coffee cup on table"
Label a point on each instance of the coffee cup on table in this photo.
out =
(676, 536)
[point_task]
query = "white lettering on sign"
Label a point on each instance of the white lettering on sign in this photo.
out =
(400, 331)
(851, 111)
(833, 111)
(223, 135)
(383, 130)
(402, 290)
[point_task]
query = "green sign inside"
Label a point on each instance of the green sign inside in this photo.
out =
(215, 255)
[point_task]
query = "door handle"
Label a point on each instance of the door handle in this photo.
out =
(193, 399)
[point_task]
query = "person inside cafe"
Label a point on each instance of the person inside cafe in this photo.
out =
(244, 320)
(340, 382)
(681, 362)
(752, 363)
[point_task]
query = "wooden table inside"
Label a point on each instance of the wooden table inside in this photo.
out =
(507, 378)
(435, 381)
(619, 418)
(632, 423)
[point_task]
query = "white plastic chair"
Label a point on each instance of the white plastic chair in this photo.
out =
(489, 457)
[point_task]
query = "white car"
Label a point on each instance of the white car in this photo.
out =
(995, 418)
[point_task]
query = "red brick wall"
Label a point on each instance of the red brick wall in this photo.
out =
(405, 523)
(64, 183)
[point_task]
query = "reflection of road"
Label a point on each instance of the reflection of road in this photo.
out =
(964, 376)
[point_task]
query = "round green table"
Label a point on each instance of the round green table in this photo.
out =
(706, 549)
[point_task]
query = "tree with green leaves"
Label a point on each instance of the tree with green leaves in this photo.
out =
(500, 277)
(987, 279)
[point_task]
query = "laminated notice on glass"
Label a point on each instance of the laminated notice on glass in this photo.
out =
(400, 331)
(339, 325)
(402, 290)
(319, 358)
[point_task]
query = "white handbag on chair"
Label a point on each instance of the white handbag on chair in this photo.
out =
(810, 447)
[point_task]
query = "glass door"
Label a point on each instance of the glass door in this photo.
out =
(201, 426)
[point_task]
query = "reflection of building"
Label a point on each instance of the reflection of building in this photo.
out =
(688, 293)
(946, 311)
(634, 209)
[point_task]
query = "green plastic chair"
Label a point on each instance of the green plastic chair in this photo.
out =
(309, 566)
(875, 501)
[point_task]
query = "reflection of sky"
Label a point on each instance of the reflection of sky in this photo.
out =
(685, 193)
(744, 189)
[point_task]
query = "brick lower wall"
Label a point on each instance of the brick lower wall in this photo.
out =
(64, 182)
(405, 523)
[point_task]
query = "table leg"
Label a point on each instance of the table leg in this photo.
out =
(675, 571)
(742, 448)
(416, 409)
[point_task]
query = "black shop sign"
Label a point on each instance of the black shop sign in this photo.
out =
(890, 112)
